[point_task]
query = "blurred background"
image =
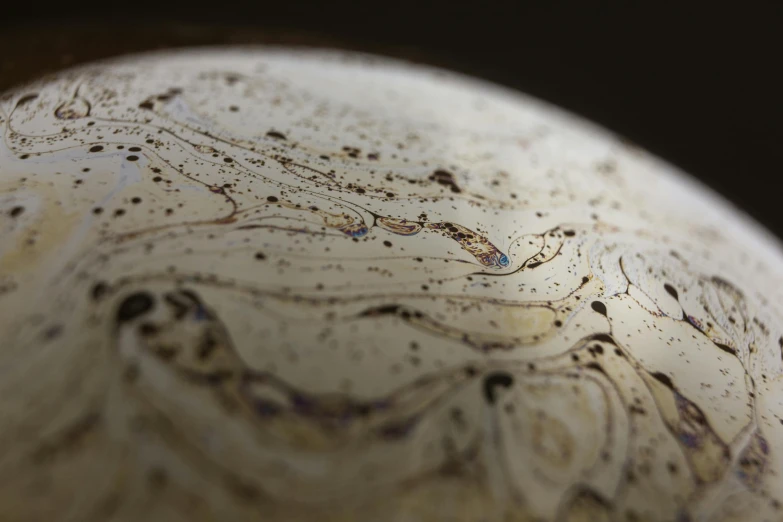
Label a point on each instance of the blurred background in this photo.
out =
(699, 86)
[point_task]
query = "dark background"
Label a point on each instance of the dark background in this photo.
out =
(698, 85)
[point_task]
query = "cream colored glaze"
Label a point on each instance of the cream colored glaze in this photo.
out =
(354, 289)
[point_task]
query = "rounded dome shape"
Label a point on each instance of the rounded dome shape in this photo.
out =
(297, 285)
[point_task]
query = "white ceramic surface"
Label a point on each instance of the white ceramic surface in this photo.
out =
(260, 284)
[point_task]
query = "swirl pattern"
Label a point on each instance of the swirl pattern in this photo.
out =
(285, 285)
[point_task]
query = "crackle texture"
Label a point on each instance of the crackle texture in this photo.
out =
(276, 285)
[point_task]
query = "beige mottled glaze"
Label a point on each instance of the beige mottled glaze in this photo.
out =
(271, 285)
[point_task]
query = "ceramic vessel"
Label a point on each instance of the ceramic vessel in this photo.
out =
(263, 284)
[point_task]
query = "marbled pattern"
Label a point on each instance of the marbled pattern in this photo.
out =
(277, 285)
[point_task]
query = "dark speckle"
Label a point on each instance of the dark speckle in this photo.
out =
(599, 307)
(492, 381)
(99, 289)
(602, 337)
(276, 135)
(663, 378)
(595, 366)
(381, 310)
(134, 306)
(96, 148)
(16, 211)
(53, 332)
(445, 178)
(726, 348)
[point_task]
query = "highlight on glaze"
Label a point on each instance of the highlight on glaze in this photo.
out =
(277, 285)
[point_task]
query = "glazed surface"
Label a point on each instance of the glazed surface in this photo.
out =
(286, 285)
